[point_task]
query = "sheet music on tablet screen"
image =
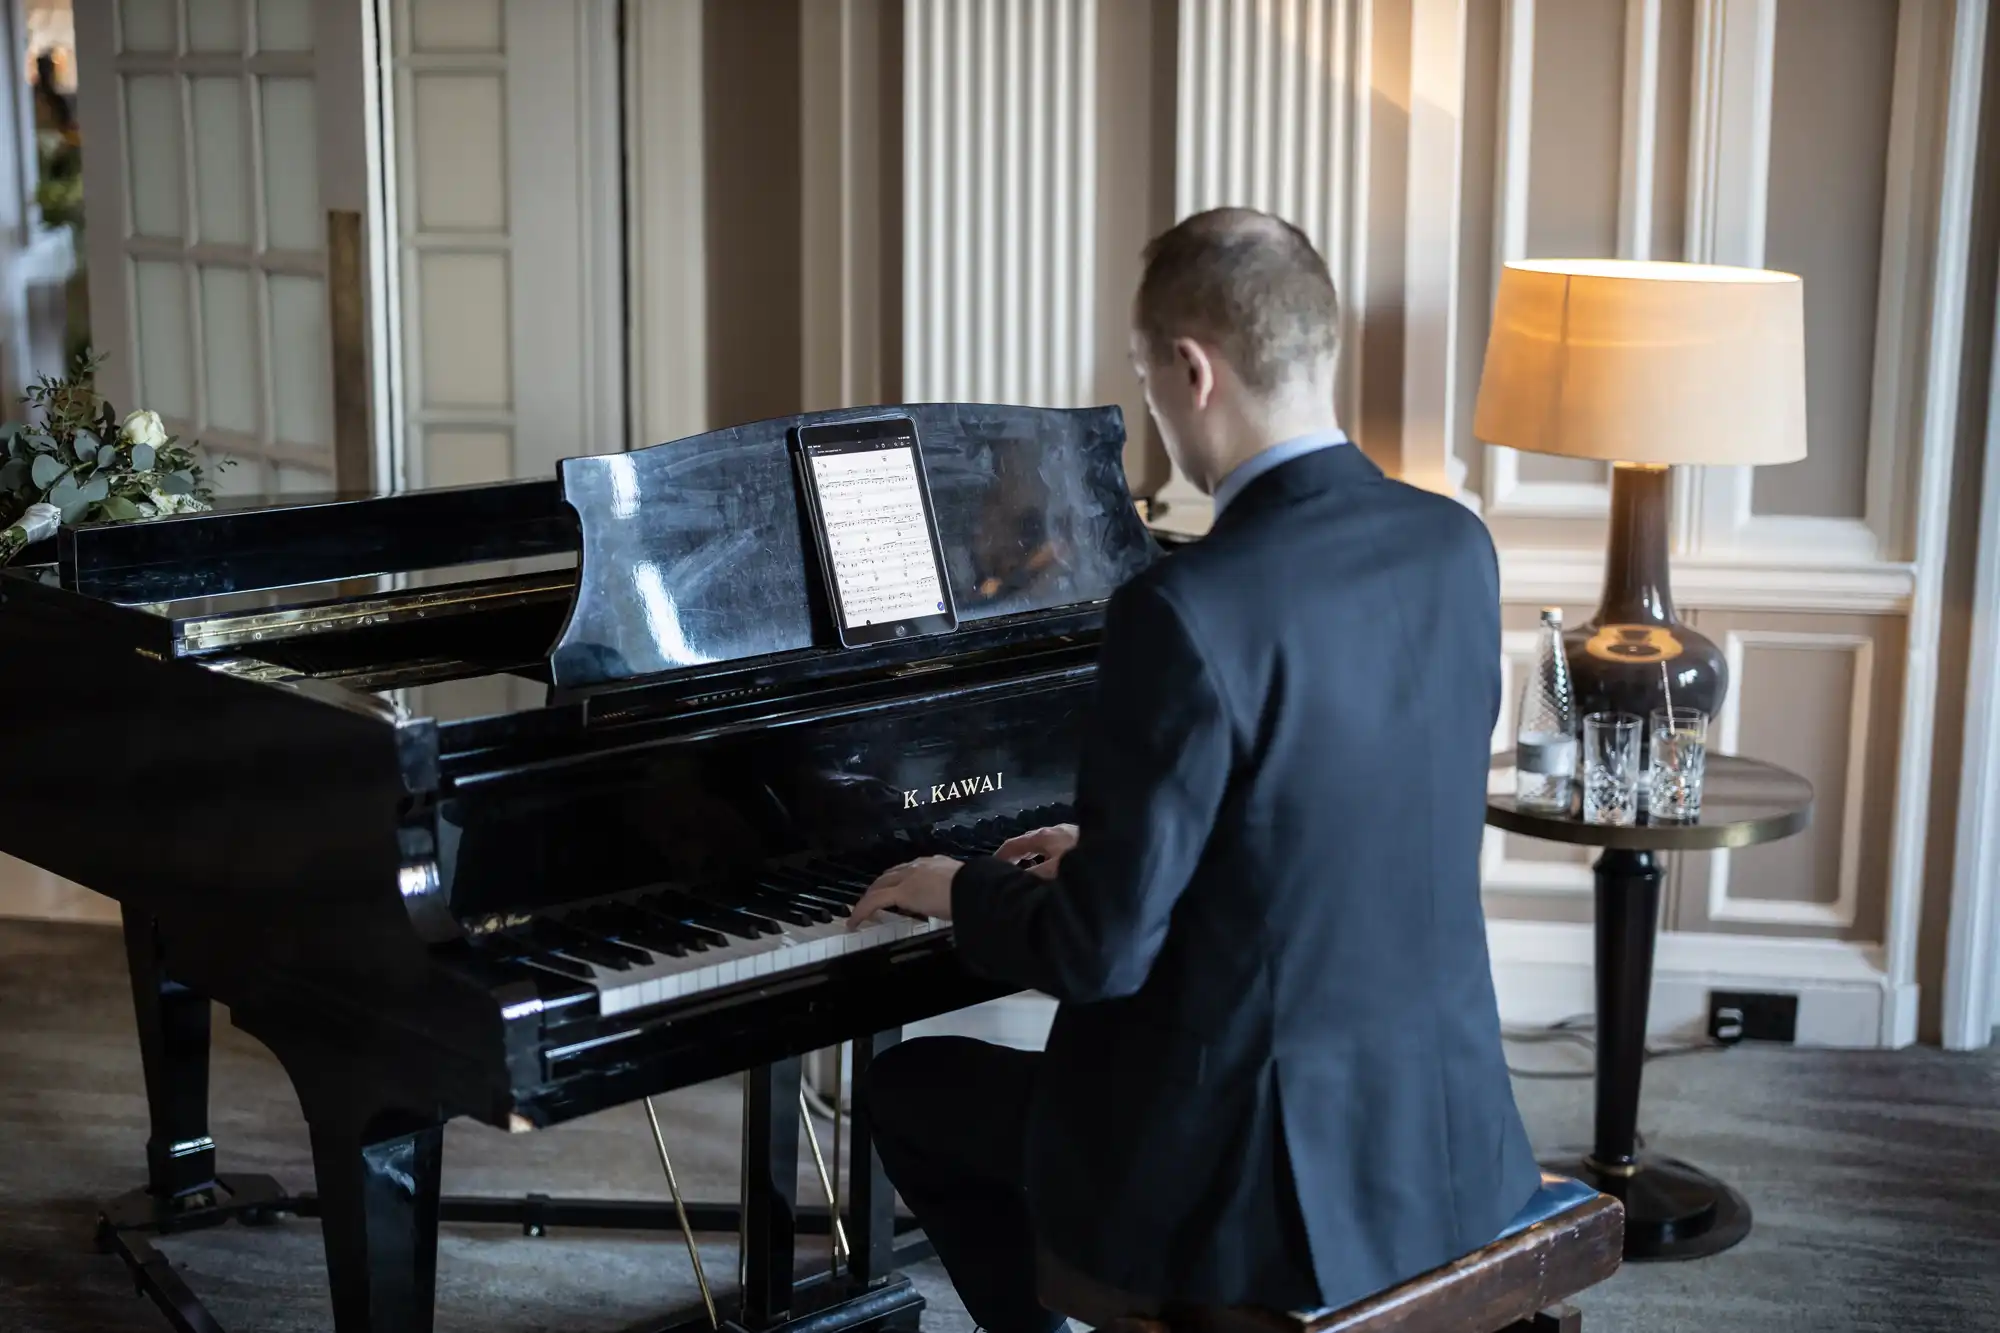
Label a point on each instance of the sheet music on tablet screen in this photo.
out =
(881, 546)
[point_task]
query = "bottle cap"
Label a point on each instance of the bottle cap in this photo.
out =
(1552, 615)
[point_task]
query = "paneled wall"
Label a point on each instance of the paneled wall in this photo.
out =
(509, 312)
(1835, 141)
(1271, 114)
(999, 191)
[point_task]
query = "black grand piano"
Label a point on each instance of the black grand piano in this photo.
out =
(524, 801)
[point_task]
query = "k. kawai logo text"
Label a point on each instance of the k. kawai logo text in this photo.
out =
(938, 793)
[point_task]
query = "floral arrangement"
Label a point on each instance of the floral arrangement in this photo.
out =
(81, 464)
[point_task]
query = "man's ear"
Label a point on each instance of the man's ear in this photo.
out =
(1193, 360)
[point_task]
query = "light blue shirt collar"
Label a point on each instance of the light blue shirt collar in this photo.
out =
(1257, 465)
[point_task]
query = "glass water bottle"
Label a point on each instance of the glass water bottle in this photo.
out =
(1545, 725)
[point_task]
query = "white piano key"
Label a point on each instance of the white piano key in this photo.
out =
(669, 978)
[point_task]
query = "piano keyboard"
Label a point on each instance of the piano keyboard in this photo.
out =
(672, 942)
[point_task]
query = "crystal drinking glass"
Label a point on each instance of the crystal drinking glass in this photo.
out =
(1678, 741)
(1610, 768)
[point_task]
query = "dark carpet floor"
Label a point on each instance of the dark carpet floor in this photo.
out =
(1875, 1179)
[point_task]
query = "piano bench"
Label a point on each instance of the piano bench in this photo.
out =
(1568, 1238)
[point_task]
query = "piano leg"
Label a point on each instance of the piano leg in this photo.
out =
(871, 1230)
(378, 1209)
(173, 1049)
(770, 1191)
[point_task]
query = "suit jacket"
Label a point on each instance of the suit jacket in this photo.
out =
(1275, 1075)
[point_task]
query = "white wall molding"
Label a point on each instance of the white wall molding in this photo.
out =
(1729, 179)
(1272, 113)
(1971, 1005)
(1729, 133)
(1506, 494)
(841, 133)
(1641, 129)
(999, 116)
(1963, 47)
(666, 289)
(564, 199)
(1725, 905)
(1436, 148)
(1575, 578)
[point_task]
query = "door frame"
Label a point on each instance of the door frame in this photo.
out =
(1971, 1007)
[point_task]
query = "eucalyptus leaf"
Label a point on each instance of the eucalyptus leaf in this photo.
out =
(9, 431)
(143, 457)
(17, 445)
(177, 483)
(41, 441)
(65, 492)
(13, 475)
(120, 509)
(97, 488)
(107, 457)
(73, 512)
(86, 444)
(47, 468)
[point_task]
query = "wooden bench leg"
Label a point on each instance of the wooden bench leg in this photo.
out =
(1555, 1319)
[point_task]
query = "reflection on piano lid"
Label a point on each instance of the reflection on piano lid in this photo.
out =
(696, 552)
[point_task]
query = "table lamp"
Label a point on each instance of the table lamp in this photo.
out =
(1644, 365)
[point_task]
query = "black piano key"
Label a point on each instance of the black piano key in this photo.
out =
(807, 888)
(712, 922)
(582, 944)
(777, 906)
(697, 935)
(783, 907)
(631, 926)
(555, 962)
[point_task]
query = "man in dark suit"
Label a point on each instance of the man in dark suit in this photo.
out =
(1275, 1076)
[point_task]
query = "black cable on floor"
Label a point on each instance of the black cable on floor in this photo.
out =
(1581, 1030)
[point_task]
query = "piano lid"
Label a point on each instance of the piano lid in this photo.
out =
(694, 552)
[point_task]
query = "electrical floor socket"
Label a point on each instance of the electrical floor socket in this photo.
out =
(1735, 1016)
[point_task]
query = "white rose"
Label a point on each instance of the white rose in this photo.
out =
(145, 427)
(164, 504)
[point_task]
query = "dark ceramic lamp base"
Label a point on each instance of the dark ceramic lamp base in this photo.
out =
(1635, 652)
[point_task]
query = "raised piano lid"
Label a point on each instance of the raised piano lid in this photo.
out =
(694, 552)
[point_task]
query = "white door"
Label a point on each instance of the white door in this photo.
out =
(225, 146)
(508, 323)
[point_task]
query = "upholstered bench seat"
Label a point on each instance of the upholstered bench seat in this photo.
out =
(1568, 1237)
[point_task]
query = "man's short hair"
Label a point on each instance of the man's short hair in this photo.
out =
(1246, 283)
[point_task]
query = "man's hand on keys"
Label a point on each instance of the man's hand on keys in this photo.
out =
(1040, 852)
(919, 888)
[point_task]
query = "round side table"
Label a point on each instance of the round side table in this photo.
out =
(1672, 1210)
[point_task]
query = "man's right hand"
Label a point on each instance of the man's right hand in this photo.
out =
(1047, 843)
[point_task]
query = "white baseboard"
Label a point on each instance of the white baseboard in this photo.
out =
(1543, 972)
(28, 891)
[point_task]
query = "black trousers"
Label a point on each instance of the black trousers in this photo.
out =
(950, 1119)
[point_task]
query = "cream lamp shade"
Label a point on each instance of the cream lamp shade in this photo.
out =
(1635, 361)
